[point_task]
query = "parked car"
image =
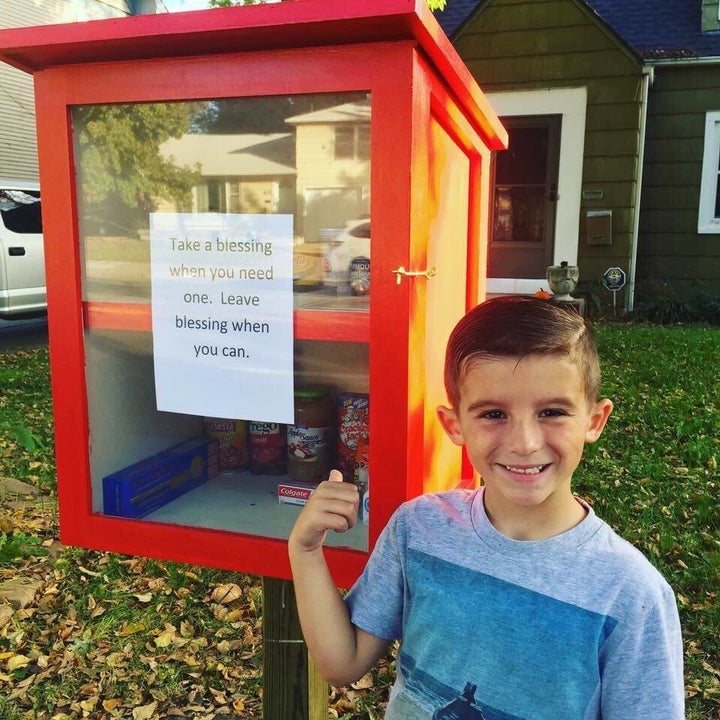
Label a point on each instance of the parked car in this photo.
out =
(22, 263)
(349, 251)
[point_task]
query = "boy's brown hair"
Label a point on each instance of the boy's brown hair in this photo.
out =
(515, 326)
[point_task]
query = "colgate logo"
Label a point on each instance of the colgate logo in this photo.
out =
(293, 492)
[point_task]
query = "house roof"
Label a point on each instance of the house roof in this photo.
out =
(660, 29)
(248, 155)
(656, 29)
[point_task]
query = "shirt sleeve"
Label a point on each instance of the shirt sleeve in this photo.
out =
(376, 600)
(642, 674)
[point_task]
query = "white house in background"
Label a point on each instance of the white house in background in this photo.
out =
(333, 166)
(320, 171)
(246, 173)
(18, 145)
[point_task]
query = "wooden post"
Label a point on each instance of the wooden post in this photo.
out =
(292, 688)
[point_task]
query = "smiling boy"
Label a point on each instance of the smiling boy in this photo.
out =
(515, 591)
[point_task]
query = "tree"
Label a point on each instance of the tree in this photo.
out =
(122, 172)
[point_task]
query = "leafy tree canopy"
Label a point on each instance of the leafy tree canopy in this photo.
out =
(119, 157)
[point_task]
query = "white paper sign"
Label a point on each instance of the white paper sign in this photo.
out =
(222, 315)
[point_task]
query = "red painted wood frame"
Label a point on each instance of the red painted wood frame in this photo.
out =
(405, 90)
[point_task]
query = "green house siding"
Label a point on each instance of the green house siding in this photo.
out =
(669, 244)
(532, 44)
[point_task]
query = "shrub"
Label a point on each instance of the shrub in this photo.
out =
(674, 302)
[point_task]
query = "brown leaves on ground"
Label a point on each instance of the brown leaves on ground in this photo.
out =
(97, 635)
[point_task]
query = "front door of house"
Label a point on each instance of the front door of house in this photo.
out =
(525, 180)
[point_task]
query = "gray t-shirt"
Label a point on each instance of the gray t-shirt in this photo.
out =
(573, 627)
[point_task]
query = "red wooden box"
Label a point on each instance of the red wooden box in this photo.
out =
(376, 120)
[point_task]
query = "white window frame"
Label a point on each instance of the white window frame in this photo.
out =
(708, 223)
(571, 103)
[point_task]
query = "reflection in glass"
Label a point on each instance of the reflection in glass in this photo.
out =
(519, 214)
(306, 155)
(520, 187)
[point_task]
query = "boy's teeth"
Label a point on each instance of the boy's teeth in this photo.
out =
(525, 471)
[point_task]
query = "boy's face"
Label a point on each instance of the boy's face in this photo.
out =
(525, 425)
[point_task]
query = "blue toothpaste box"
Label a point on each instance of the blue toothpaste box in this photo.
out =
(149, 484)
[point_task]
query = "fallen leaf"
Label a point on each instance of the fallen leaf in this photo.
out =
(89, 704)
(6, 613)
(17, 661)
(226, 593)
(131, 628)
(144, 712)
(98, 610)
(163, 640)
(19, 592)
(363, 683)
(91, 573)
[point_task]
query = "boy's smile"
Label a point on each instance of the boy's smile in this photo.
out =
(524, 424)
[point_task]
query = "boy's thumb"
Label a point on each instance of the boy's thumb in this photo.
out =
(335, 476)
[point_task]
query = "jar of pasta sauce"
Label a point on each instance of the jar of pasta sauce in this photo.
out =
(268, 454)
(311, 439)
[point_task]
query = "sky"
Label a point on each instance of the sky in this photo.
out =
(180, 5)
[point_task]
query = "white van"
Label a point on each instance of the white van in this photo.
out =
(22, 263)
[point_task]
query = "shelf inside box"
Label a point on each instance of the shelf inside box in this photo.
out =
(246, 503)
(317, 316)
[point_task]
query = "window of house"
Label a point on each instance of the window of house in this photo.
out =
(352, 142)
(709, 213)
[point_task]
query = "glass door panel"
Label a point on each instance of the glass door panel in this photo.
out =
(525, 197)
(233, 162)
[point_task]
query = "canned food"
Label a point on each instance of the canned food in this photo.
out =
(360, 276)
(362, 465)
(353, 428)
(232, 442)
(268, 453)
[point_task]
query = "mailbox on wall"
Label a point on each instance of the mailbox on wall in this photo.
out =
(261, 224)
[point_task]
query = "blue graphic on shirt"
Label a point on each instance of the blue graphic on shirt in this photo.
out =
(462, 707)
(518, 654)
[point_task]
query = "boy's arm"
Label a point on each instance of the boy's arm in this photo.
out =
(341, 651)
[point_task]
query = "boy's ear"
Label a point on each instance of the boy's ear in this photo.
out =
(598, 418)
(449, 421)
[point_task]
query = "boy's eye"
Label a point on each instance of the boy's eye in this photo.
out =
(552, 412)
(492, 415)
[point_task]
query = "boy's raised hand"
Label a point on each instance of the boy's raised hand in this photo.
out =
(333, 505)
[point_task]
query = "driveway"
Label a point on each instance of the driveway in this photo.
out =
(23, 334)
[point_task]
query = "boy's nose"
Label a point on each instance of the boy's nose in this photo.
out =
(525, 437)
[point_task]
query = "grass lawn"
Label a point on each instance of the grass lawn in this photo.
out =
(109, 636)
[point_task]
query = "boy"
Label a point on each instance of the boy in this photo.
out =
(513, 600)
